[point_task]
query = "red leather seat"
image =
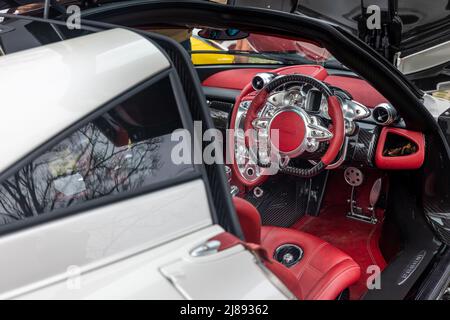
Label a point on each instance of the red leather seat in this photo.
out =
(323, 272)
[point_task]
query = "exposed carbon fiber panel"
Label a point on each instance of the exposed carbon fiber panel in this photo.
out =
(220, 118)
(286, 199)
(436, 198)
(444, 123)
(362, 146)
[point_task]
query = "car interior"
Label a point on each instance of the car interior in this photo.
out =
(347, 201)
(327, 216)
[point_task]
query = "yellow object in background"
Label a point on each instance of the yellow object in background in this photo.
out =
(443, 94)
(198, 44)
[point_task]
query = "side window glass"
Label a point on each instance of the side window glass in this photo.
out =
(121, 151)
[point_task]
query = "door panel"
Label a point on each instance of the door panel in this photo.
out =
(137, 277)
(142, 276)
(227, 275)
(47, 253)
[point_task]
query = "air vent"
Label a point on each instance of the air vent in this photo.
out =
(384, 114)
(261, 80)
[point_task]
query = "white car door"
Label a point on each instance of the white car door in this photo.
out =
(92, 205)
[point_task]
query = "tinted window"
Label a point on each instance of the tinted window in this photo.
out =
(22, 34)
(123, 150)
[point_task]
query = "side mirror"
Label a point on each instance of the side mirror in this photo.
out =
(222, 34)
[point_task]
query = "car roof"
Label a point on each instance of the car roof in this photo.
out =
(47, 89)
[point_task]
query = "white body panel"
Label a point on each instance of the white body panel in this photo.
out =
(42, 255)
(135, 249)
(46, 89)
(140, 277)
(228, 275)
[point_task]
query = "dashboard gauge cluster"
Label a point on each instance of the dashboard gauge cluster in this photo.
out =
(314, 101)
(294, 97)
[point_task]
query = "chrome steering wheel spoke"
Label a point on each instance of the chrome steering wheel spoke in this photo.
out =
(318, 133)
(261, 122)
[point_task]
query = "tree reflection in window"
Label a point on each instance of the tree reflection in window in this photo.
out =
(123, 150)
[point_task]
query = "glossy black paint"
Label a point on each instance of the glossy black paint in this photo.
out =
(423, 22)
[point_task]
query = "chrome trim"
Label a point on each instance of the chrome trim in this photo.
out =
(290, 245)
(205, 249)
(391, 112)
(258, 192)
(241, 152)
(341, 159)
(314, 132)
(425, 59)
(353, 176)
(234, 190)
(228, 173)
(411, 267)
(260, 80)
(353, 110)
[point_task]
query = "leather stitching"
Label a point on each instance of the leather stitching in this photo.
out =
(310, 258)
(333, 280)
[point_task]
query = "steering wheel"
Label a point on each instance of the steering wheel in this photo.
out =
(268, 130)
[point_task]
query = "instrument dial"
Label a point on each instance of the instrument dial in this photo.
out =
(293, 98)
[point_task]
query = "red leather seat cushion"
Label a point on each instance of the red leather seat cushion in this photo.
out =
(249, 219)
(323, 272)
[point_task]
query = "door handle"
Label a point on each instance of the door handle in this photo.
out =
(205, 249)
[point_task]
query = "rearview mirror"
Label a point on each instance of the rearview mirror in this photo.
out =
(279, 5)
(222, 34)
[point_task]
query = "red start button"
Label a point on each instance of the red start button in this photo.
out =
(291, 131)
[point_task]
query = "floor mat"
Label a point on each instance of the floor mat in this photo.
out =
(357, 239)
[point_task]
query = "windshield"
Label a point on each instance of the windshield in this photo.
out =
(258, 49)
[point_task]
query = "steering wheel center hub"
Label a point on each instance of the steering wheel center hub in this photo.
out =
(291, 130)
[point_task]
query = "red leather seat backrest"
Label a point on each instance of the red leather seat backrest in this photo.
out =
(249, 219)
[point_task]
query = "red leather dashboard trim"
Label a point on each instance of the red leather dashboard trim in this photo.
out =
(238, 78)
(361, 91)
(232, 79)
(408, 162)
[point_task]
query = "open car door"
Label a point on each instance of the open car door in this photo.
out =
(92, 205)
